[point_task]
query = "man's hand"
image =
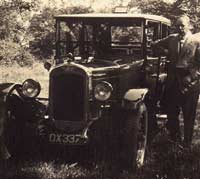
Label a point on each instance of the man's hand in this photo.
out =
(187, 81)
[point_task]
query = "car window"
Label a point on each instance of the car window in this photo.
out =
(126, 35)
(152, 32)
(165, 30)
(102, 39)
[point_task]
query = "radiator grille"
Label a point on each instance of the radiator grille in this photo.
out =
(68, 96)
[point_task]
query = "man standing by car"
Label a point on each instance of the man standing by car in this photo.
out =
(182, 85)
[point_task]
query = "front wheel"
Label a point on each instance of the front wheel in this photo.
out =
(135, 137)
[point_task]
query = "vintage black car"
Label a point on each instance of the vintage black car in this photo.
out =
(104, 78)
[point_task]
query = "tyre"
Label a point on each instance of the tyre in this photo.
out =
(135, 138)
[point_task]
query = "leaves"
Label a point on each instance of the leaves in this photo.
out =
(173, 10)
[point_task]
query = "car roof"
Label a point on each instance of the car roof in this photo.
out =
(115, 16)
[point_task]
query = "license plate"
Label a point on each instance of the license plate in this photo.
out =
(68, 139)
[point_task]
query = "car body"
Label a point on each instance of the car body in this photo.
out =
(103, 71)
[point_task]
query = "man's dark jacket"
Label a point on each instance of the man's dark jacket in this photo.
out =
(184, 60)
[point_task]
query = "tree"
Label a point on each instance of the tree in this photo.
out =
(14, 16)
(173, 10)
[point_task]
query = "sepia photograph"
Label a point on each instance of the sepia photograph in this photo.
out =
(99, 89)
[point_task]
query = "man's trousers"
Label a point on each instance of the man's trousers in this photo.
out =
(176, 101)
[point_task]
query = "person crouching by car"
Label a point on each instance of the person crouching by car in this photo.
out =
(183, 80)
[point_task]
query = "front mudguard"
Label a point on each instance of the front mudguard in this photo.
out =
(134, 99)
(133, 103)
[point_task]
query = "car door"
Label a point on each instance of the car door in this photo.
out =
(155, 68)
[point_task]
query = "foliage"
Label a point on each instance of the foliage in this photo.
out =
(13, 52)
(12, 15)
(14, 38)
(42, 30)
(173, 10)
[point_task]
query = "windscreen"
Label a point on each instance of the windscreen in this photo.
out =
(99, 38)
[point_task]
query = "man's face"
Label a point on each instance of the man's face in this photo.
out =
(182, 26)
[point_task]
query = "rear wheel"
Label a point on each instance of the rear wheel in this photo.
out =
(135, 138)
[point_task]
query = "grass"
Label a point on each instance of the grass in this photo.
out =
(165, 160)
(53, 170)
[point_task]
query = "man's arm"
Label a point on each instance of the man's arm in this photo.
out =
(162, 42)
(160, 46)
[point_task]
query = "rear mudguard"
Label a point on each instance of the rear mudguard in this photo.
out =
(133, 98)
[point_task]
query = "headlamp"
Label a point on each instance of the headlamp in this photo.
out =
(103, 90)
(31, 88)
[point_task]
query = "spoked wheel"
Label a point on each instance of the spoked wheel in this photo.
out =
(135, 138)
